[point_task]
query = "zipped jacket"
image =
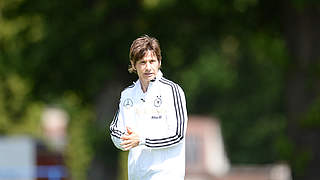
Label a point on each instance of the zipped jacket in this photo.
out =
(159, 117)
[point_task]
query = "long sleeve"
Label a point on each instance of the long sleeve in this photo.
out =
(117, 129)
(176, 119)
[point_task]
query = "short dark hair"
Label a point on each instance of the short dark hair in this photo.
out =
(140, 46)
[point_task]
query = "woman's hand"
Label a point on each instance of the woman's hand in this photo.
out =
(130, 140)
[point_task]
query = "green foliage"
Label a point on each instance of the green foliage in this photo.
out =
(123, 165)
(230, 57)
(284, 146)
(18, 113)
(311, 119)
(211, 71)
(301, 160)
(79, 139)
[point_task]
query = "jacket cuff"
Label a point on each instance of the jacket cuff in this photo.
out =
(142, 141)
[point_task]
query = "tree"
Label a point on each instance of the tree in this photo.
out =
(252, 63)
(301, 30)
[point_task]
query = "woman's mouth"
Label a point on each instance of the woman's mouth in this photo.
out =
(148, 74)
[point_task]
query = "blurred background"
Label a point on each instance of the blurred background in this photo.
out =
(250, 70)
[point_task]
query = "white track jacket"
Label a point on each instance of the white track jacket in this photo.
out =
(159, 117)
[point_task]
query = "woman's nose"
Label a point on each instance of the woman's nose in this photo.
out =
(148, 65)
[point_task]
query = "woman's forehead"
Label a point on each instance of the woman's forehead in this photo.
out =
(149, 55)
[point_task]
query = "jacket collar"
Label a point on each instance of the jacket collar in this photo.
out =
(151, 83)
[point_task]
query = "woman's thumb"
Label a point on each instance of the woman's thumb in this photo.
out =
(129, 130)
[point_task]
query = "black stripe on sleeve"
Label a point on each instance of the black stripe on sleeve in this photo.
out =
(113, 126)
(164, 142)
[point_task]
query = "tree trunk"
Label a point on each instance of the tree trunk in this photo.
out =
(302, 33)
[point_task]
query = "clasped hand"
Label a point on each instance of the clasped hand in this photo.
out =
(130, 139)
